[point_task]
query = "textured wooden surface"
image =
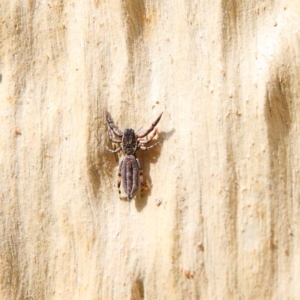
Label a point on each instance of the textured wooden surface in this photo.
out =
(225, 74)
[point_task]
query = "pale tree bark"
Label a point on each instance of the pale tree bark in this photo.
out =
(225, 74)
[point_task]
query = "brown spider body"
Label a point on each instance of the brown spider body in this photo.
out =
(130, 171)
(130, 175)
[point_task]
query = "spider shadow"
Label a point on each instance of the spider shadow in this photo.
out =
(147, 158)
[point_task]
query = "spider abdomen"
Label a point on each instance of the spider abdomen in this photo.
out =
(130, 173)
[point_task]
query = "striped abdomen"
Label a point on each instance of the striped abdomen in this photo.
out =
(130, 173)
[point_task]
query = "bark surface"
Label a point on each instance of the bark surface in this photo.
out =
(222, 217)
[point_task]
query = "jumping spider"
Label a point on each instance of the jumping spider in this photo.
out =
(130, 168)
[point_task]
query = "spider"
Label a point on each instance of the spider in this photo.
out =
(130, 171)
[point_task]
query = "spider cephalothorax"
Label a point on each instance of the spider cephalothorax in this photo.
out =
(129, 141)
(130, 171)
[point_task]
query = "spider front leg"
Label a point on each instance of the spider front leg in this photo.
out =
(147, 140)
(112, 125)
(112, 138)
(143, 133)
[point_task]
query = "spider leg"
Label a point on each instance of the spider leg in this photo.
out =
(147, 140)
(112, 125)
(120, 176)
(141, 175)
(113, 151)
(143, 133)
(147, 148)
(111, 137)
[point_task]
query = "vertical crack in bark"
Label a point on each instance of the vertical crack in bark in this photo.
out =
(138, 62)
(278, 119)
